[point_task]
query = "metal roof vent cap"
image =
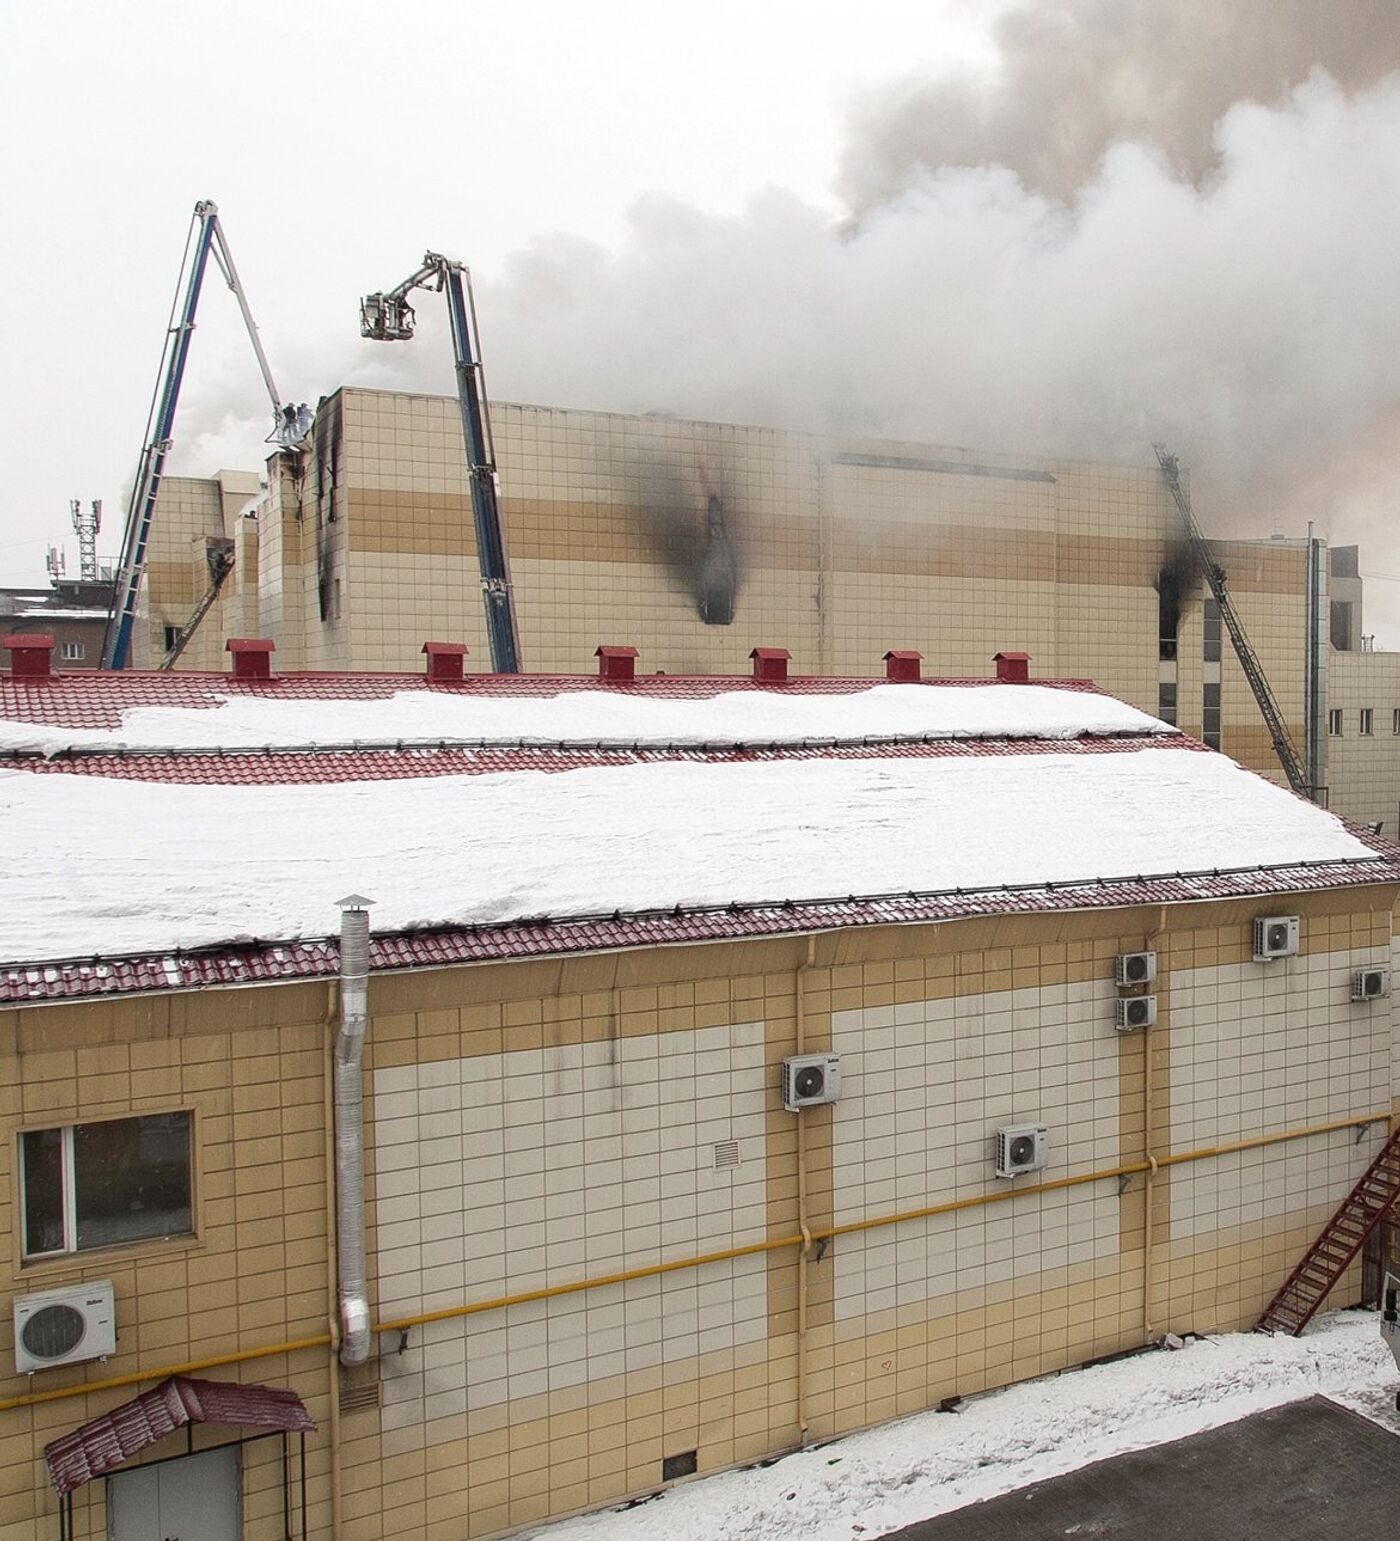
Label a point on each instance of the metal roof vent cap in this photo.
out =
(445, 660)
(1013, 668)
(31, 654)
(252, 657)
(618, 664)
(902, 666)
(770, 664)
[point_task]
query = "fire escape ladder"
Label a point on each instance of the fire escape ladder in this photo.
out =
(1340, 1240)
(1214, 576)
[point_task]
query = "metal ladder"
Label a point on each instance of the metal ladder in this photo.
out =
(1214, 575)
(1336, 1247)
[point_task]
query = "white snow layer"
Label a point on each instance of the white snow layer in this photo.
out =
(744, 716)
(870, 1484)
(98, 866)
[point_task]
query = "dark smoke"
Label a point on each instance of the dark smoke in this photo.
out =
(1077, 76)
(690, 519)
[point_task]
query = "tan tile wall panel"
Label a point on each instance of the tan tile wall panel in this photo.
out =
(603, 1084)
(1363, 772)
(254, 1274)
(187, 510)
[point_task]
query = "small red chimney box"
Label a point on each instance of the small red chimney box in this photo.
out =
(445, 660)
(1014, 668)
(616, 663)
(770, 664)
(902, 666)
(31, 654)
(252, 657)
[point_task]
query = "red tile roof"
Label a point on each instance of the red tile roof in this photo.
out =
(319, 764)
(272, 962)
(96, 698)
(105, 1443)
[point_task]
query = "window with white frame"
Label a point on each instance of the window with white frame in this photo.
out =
(1366, 721)
(74, 652)
(1395, 720)
(1334, 722)
(104, 1184)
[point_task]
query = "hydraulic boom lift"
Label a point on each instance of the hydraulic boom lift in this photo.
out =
(388, 317)
(290, 423)
(1214, 576)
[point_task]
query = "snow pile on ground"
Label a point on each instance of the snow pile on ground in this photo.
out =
(869, 1484)
(99, 867)
(586, 716)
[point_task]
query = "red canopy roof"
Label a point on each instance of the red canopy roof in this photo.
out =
(103, 1444)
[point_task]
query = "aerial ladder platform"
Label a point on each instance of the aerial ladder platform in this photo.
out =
(290, 423)
(1340, 1240)
(387, 316)
(1214, 575)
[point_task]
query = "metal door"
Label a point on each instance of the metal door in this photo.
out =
(192, 1498)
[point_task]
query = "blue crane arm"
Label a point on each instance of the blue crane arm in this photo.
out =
(116, 645)
(387, 316)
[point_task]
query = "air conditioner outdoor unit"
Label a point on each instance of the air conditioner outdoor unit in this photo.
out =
(1135, 1011)
(1275, 936)
(1370, 984)
(1135, 968)
(809, 1080)
(65, 1326)
(1022, 1148)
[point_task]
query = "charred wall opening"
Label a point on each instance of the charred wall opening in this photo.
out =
(691, 519)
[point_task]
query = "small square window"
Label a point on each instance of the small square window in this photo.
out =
(1366, 718)
(103, 1184)
(1334, 722)
(72, 651)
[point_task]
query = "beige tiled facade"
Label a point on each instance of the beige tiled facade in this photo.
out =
(630, 529)
(192, 511)
(584, 1163)
(1363, 754)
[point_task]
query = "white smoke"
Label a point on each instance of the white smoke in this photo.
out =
(1241, 307)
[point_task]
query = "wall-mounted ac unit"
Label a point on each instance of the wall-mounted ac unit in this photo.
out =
(1135, 968)
(1132, 1012)
(1022, 1148)
(1370, 984)
(1275, 936)
(809, 1080)
(65, 1326)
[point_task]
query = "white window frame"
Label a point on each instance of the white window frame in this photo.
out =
(1367, 722)
(1334, 722)
(69, 1189)
(72, 652)
(1395, 720)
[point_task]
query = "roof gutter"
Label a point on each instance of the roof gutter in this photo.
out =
(349, 1130)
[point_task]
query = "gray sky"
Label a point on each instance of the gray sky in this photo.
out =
(340, 140)
(1069, 226)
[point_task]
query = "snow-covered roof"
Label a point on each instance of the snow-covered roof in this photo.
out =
(207, 833)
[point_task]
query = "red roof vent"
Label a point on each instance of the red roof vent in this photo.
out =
(31, 654)
(770, 664)
(1014, 668)
(445, 660)
(252, 657)
(902, 665)
(616, 663)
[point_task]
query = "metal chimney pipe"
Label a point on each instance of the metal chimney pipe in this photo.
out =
(350, 1131)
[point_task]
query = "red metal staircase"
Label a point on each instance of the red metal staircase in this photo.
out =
(1341, 1239)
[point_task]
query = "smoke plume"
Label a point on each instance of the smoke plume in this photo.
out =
(1077, 76)
(1157, 222)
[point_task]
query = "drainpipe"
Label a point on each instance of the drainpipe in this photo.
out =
(349, 1129)
(800, 1033)
(1154, 942)
(1315, 666)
